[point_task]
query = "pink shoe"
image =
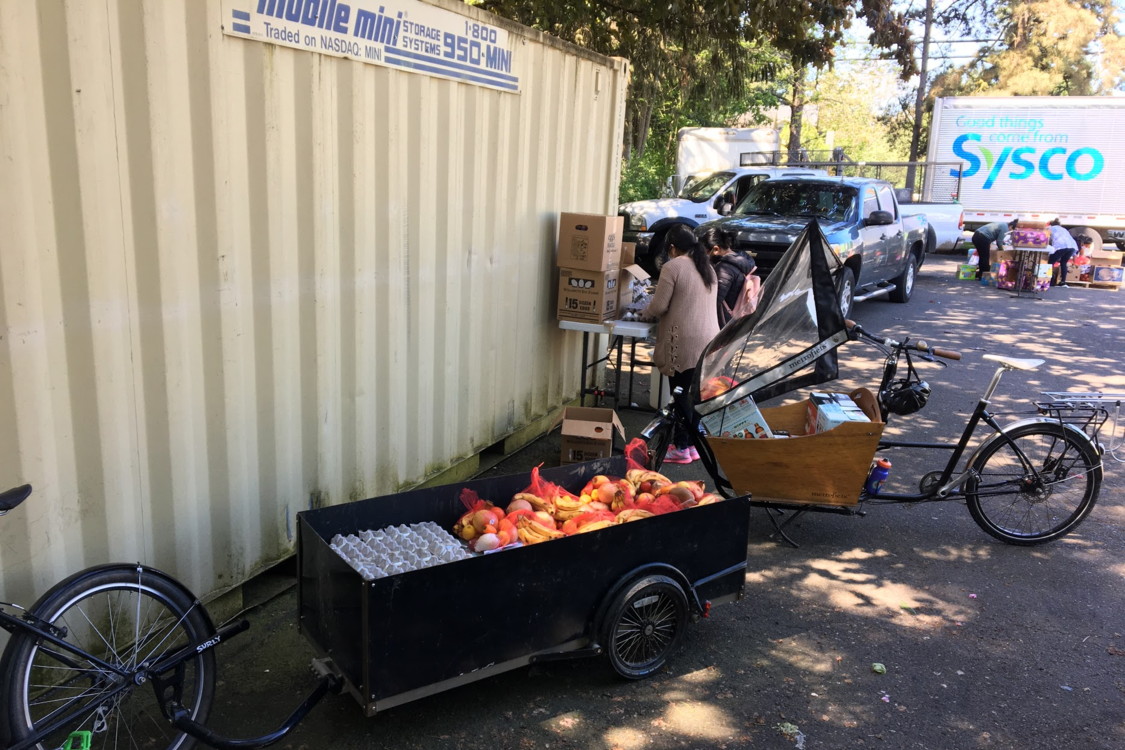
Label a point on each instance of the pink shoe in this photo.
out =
(678, 456)
(694, 453)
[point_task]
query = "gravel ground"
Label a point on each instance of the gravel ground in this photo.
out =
(985, 644)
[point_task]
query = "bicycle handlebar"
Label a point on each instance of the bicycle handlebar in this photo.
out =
(921, 346)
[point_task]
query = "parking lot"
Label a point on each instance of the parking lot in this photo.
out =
(984, 644)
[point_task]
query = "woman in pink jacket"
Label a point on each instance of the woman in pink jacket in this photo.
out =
(685, 301)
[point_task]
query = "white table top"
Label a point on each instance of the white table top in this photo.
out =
(633, 329)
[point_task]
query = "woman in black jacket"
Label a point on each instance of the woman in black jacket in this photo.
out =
(731, 267)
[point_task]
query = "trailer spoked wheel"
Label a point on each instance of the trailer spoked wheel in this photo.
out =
(644, 625)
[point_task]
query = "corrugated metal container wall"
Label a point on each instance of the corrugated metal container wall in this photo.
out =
(237, 278)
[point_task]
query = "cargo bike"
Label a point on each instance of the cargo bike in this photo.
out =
(125, 656)
(1027, 483)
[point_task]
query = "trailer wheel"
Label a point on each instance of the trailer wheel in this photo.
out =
(644, 625)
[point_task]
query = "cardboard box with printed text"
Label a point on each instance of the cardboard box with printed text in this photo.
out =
(590, 242)
(587, 433)
(588, 296)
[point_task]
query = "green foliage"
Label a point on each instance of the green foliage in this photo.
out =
(1047, 47)
(645, 177)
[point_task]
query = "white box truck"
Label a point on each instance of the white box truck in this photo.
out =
(700, 151)
(1035, 157)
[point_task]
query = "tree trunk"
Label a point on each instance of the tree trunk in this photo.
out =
(920, 98)
(796, 113)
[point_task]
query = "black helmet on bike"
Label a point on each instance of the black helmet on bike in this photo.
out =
(904, 397)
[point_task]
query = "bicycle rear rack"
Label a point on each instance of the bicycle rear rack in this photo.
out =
(1089, 412)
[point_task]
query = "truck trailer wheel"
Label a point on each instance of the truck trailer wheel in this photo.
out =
(644, 625)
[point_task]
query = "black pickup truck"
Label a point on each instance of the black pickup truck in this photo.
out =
(881, 248)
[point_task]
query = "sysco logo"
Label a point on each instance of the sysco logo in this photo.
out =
(1052, 164)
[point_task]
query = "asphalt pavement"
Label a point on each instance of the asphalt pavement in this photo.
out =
(984, 644)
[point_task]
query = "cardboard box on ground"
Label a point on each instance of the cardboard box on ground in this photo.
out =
(587, 433)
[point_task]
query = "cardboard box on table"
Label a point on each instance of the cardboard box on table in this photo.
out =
(587, 433)
(588, 296)
(590, 242)
(827, 468)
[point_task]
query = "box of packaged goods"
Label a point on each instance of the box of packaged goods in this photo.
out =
(987, 279)
(742, 419)
(590, 242)
(587, 296)
(823, 468)
(966, 272)
(1032, 224)
(827, 411)
(1034, 238)
(1108, 275)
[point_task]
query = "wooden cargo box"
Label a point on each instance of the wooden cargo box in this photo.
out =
(825, 469)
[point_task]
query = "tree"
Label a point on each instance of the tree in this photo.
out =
(693, 48)
(1046, 47)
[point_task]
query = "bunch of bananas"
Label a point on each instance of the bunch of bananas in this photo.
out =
(534, 530)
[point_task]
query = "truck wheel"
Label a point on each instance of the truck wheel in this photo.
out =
(657, 254)
(845, 285)
(644, 625)
(904, 284)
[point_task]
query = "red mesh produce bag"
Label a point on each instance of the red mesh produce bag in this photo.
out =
(662, 505)
(472, 501)
(636, 454)
(541, 488)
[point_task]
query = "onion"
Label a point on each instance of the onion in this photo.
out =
(487, 542)
(519, 504)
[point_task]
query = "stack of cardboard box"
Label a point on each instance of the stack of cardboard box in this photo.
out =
(597, 278)
(589, 262)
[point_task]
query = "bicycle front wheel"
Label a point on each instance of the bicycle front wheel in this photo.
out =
(1038, 493)
(128, 617)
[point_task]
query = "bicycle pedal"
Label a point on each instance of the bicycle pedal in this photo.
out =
(78, 741)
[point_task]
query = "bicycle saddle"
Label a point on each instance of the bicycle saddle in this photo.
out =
(13, 497)
(1015, 363)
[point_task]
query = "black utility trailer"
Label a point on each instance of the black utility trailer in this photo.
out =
(627, 591)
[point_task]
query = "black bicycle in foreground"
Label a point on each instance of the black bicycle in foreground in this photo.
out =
(1029, 482)
(119, 654)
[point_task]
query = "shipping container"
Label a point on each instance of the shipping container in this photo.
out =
(1035, 157)
(261, 256)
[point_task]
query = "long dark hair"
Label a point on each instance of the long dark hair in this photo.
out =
(684, 239)
(715, 237)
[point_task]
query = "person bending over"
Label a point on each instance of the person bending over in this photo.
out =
(983, 239)
(1065, 248)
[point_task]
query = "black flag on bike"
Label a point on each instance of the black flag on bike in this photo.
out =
(788, 342)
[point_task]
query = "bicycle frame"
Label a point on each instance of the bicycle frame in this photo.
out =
(948, 486)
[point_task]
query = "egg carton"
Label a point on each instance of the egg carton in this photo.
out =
(399, 549)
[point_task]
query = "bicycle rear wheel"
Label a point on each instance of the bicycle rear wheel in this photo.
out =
(1041, 500)
(126, 616)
